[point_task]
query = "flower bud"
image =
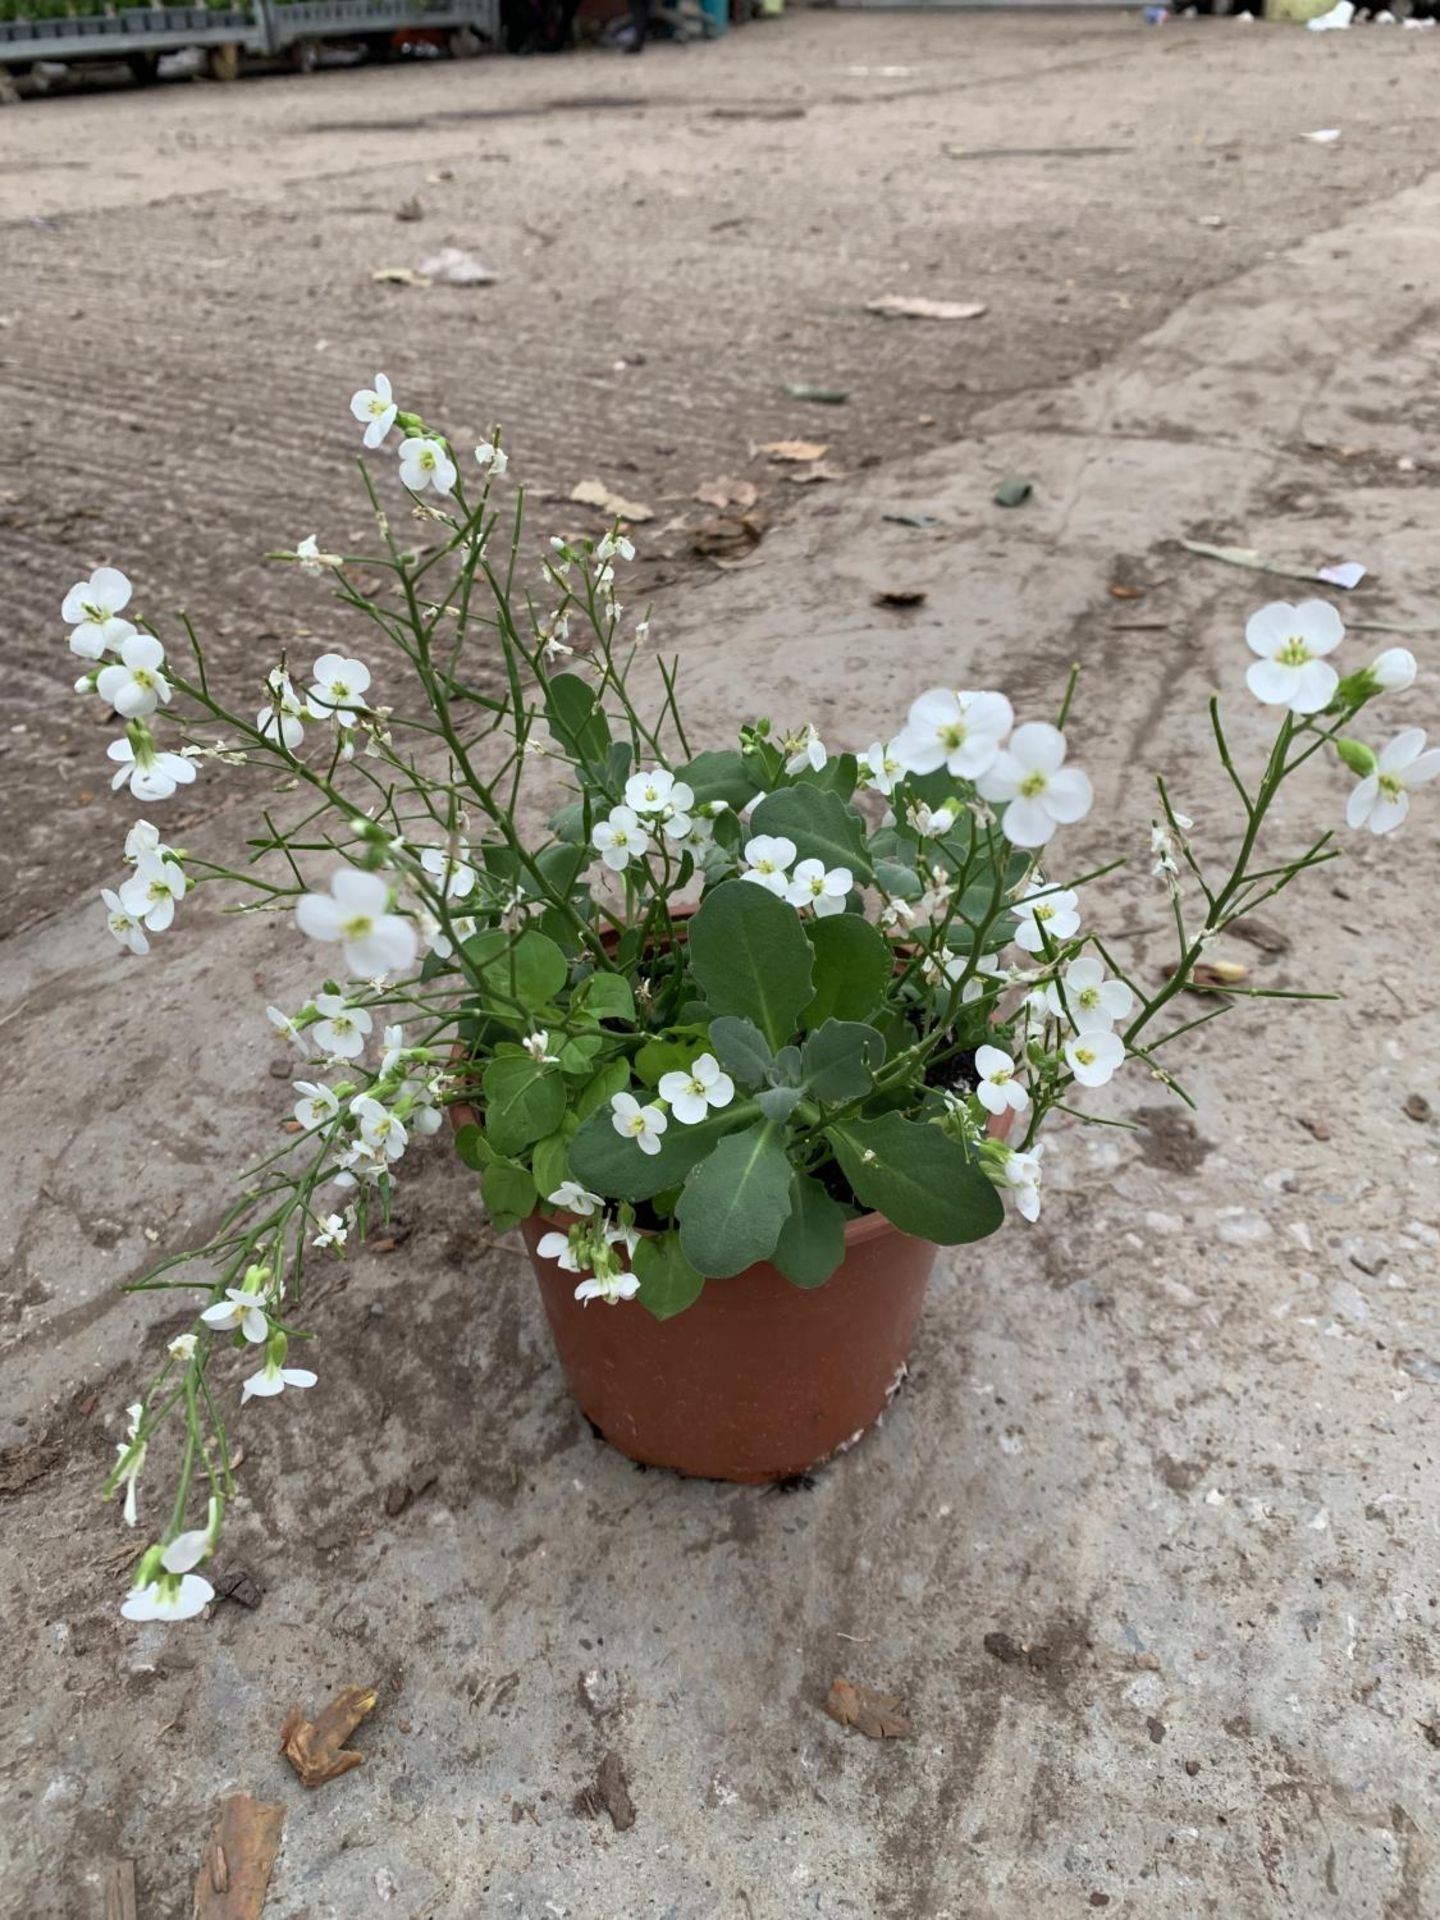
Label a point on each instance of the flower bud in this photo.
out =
(1357, 756)
(1393, 670)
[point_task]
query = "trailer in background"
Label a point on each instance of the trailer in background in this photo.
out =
(137, 37)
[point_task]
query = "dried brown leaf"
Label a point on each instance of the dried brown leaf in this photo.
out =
(900, 597)
(609, 1793)
(901, 306)
(879, 1716)
(595, 493)
(1260, 933)
(316, 1749)
(795, 450)
(726, 492)
(235, 1866)
(728, 535)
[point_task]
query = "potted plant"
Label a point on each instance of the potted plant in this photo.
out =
(736, 1034)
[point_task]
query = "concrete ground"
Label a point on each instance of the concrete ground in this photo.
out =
(1147, 1543)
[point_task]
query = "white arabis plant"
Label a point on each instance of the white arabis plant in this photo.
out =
(694, 1008)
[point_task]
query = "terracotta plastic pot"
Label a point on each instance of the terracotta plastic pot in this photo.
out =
(759, 1379)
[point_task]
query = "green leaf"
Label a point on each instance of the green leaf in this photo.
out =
(719, 776)
(919, 1178)
(659, 1057)
(607, 996)
(749, 954)
(668, 1282)
(838, 775)
(840, 1059)
(577, 1054)
(568, 825)
(896, 879)
(561, 866)
(735, 1202)
(612, 1078)
(524, 1100)
(550, 1163)
(853, 966)
(741, 1049)
(812, 1241)
(778, 1103)
(527, 967)
(577, 719)
(509, 1194)
(611, 1163)
(473, 1148)
(820, 824)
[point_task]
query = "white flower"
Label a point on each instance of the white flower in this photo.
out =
(354, 912)
(240, 1308)
(1095, 1003)
(281, 720)
(931, 824)
(317, 1103)
(807, 749)
(343, 1029)
(768, 859)
(149, 774)
(307, 552)
(130, 1473)
(987, 968)
(879, 767)
(556, 1246)
(339, 686)
(620, 839)
(273, 1378)
(487, 454)
(182, 1347)
(1292, 642)
(153, 890)
(376, 407)
(1382, 799)
(334, 1231)
(997, 1086)
(169, 1598)
(143, 838)
(537, 1045)
(812, 886)
(1094, 1056)
(123, 924)
(135, 685)
(609, 546)
(425, 463)
(691, 1094)
(611, 1288)
(1042, 793)
(935, 900)
(643, 1125)
(1022, 1178)
(395, 1049)
(452, 866)
(186, 1550)
(1393, 670)
(958, 731)
(655, 791)
(287, 1029)
(1056, 909)
(91, 608)
(574, 1198)
(382, 1131)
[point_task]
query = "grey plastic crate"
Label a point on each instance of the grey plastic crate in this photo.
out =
(111, 36)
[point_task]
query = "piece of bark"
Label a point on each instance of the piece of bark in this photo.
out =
(120, 1890)
(879, 1716)
(235, 1866)
(316, 1748)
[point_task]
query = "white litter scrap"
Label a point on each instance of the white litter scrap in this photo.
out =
(1323, 136)
(1336, 20)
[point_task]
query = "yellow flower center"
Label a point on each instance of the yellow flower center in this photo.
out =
(1032, 784)
(1294, 653)
(356, 927)
(1391, 786)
